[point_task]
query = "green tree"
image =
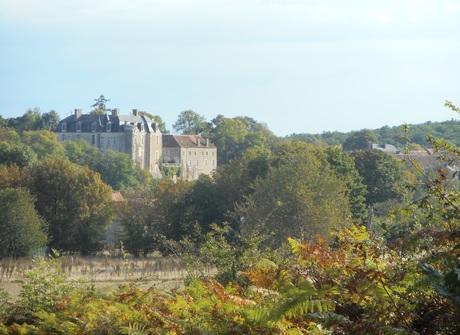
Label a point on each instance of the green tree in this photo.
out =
(44, 143)
(75, 202)
(229, 137)
(138, 232)
(119, 171)
(234, 181)
(382, 174)
(100, 105)
(344, 167)
(190, 123)
(16, 153)
(359, 140)
(82, 153)
(170, 210)
(49, 121)
(29, 121)
(22, 230)
(233, 136)
(299, 197)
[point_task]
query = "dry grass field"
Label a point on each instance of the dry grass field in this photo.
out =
(106, 272)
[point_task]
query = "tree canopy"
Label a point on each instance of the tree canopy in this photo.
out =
(190, 123)
(74, 201)
(22, 230)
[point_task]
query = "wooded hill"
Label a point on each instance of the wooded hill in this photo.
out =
(391, 135)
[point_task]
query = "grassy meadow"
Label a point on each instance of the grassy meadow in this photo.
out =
(104, 271)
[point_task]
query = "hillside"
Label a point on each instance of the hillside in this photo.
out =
(391, 135)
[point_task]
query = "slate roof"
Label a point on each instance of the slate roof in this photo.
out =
(118, 123)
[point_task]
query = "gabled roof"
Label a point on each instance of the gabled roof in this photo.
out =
(186, 141)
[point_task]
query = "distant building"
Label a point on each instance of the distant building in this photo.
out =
(136, 135)
(388, 148)
(194, 154)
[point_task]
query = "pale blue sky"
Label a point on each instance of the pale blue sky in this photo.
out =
(299, 66)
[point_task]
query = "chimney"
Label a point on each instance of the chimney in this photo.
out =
(115, 111)
(207, 142)
(198, 142)
(135, 112)
(78, 113)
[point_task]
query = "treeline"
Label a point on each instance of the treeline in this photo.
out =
(417, 133)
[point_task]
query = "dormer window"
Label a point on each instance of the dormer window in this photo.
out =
(93, 128)
(109, 127)
(78, 126)
(63, 126)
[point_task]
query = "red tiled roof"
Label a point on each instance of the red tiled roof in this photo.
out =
(186, 141)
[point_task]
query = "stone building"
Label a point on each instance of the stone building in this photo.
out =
(135, 134)
(194, 154)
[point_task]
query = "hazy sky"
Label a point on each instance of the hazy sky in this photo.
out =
(300, 66)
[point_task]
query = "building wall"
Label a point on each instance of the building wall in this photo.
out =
(194, 161)
(142, 146)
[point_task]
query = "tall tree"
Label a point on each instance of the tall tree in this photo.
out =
(299, 197)
(100, 105)
(382, 174)
(22, 230)
(345, 169)
(233, 136)
(190, 123)
(49, 121)
(75, 202)
(359, 140)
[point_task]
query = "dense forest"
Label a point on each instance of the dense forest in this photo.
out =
(307, 234)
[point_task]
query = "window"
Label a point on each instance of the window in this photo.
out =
(109, 127)
(93, 128)
(197, 162)
(108, 142)
(189, 162)
(63, 126)
(78, 126)
(93, 140)
(190, 153)
(207, 153)
(157, 156)
(63, 137)
(213, 162)
(78, 136)
(205, 162)
(142, 139)
(102, 140)
(195, 153)
(141, 153)
(158, 140)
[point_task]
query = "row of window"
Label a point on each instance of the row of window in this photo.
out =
(189, 162)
